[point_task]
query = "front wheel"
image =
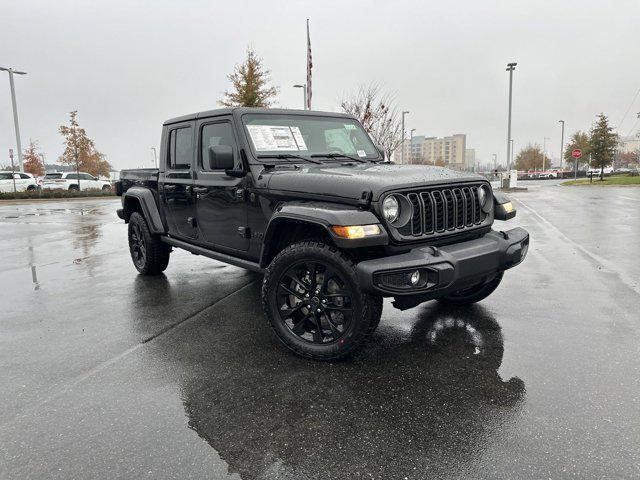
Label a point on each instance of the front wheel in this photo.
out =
(473, 294)
(150, 255)
(314, 304)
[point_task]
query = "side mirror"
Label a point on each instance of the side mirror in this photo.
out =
(221, 157)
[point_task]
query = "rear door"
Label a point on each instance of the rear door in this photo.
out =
(220, 199)
(176, 190)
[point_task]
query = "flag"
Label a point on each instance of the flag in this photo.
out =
(309, 67)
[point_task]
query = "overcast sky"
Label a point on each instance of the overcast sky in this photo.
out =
(126, 66)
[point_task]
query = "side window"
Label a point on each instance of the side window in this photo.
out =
(24, 176)
(213, 135)
(86, 176)
(180, 148)
(72, 176)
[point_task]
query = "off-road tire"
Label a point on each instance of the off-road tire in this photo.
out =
(376, 312)
(364, 307)
(156, 252)
(473, 294)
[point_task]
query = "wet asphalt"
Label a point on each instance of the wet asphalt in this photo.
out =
(107, 374)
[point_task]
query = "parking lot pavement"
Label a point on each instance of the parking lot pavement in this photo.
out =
(106, 374)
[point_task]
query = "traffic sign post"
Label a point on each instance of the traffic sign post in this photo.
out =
(576, 153)
(13, 170)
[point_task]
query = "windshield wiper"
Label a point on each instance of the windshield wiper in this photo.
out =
(285, 156)
(339, 155)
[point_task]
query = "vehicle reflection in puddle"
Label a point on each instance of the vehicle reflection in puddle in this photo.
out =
(426, 399)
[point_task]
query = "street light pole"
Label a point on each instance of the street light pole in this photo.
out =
(544, 151)
(562, 146)
(495, 162)
(304, 92)
(155, 156)
(403, 134)
(411, 144)
(510, 68)
(11, 72)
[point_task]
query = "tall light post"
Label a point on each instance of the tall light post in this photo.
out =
(510, 68)
(403, 135)
(562, 146)
(11, 72)
(512, 149)
(544, 151)
(411, 144)
(155, 157)
(304, 92)
(495, 162)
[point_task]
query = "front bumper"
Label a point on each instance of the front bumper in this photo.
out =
(444, 269)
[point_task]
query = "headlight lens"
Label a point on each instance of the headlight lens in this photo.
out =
(391, 209)
(485, 198)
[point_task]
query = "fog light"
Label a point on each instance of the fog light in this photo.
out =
(415, 277)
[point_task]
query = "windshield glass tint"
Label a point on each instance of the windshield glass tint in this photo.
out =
(53, 175)
(305, 135)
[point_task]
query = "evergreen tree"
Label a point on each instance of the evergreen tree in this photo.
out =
(250, 85)
(603, 144)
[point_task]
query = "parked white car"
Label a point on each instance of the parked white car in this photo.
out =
(69, 181)
(596, 171)
(24, 181)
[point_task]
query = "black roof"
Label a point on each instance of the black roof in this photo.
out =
(229, 111)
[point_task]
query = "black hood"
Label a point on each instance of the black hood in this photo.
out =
(349, 181)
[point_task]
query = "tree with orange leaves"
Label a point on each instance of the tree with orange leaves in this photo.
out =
(80, 151)
(32, 162)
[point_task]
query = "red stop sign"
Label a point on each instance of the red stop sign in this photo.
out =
(576, 153)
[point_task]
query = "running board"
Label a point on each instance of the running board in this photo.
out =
(238, 262)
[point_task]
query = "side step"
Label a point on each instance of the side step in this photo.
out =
(238, 262)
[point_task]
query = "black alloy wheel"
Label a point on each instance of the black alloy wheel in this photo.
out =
(315, 302)
(138, 246)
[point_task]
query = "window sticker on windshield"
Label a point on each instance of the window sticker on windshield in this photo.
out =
(297, 136)
(350, 126)
(361, 153)
(273, 138)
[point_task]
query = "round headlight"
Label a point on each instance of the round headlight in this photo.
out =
(485, 198)
(391, 209)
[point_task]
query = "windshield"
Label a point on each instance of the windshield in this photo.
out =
(307, 135)
(53, 175)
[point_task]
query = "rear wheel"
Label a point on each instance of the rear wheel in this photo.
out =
(150, 255)
(74, 188)
(314, 304)
(106, 188)
(474, 293)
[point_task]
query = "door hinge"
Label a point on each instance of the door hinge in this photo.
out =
(244, 232)
(192, 221)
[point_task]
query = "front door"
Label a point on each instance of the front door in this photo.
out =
(221, 209)
(176, 190)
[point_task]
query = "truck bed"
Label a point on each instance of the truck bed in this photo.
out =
(147, 177)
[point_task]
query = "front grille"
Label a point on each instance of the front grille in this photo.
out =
(443, 210)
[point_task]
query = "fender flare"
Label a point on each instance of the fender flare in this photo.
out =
(148, 205)
(325, 215)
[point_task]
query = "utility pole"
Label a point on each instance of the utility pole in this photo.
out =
(403, 136)
(562, 146)
(510, 68)
(304, 91)
(11, 72)
(544, 151)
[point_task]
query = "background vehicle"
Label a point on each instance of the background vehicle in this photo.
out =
(23, 181)
(549, 174)
(303, 198)
(69, 181)
(596, 171)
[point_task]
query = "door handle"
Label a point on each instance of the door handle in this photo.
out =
(169, 188)
(200, 189)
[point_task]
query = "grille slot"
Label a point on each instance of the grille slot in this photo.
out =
(439, 210)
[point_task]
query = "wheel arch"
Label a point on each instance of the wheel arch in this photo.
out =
(312, 220)
(140, 199)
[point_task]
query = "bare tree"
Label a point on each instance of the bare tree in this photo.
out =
(378, 114)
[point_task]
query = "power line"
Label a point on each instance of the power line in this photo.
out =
(629, 108)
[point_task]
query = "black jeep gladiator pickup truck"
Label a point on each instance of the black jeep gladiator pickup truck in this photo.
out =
(306, 198)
